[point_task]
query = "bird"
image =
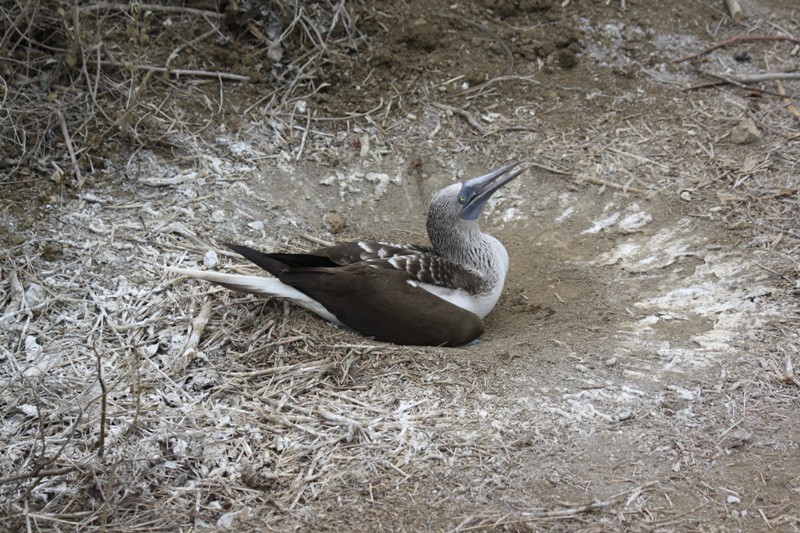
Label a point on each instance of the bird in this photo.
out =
(406, 294)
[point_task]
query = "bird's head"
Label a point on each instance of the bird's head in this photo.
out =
(465, 200)
(453, 214)
(475, 192)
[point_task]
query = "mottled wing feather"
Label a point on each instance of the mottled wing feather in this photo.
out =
(354, 252)
(435, 270)
(419, 263)
(331, 256)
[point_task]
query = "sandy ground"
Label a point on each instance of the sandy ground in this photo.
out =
(636, 375)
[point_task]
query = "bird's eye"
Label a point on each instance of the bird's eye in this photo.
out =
(462, 198)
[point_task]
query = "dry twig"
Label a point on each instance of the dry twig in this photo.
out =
(567, 512)
(463, 113)
(734, 40)
(786, 375)
(177, 10)
(101, 438)
(177, 72)
(70, 149)
(786, 100)
(757, 78)
(735, 10)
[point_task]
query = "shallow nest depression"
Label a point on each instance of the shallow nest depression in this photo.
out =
(131, 135)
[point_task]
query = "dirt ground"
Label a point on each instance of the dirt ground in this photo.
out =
(636, 375)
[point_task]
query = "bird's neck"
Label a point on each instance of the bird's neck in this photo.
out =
(469, 247)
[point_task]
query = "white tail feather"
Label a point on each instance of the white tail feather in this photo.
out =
(261, 286)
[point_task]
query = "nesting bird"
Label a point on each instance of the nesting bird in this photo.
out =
(400, 293)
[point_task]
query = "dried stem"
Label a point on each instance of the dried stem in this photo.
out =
(734, 40)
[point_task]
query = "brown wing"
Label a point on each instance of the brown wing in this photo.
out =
(380, 303)
(366, 286)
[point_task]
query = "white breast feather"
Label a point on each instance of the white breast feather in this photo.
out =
(479, 304)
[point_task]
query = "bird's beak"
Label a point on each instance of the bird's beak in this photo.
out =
(475, 192)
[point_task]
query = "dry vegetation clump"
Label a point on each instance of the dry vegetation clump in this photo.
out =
(79, 79)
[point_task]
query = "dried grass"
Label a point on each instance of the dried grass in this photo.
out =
(171, 422)
(78, 77)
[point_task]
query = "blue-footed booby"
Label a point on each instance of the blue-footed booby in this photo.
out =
(402, 293)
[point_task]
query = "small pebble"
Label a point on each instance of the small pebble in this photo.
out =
(611, 361)
(32, 348)
(29, 410)
(226, 521)
(624, 415)
(210, 259)
(686, 195)
(734, 499)
(51, 251)
(746, 132)
(256, 225)
(333, 222)
(567, 59)
(35, 294)
(250, 476)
